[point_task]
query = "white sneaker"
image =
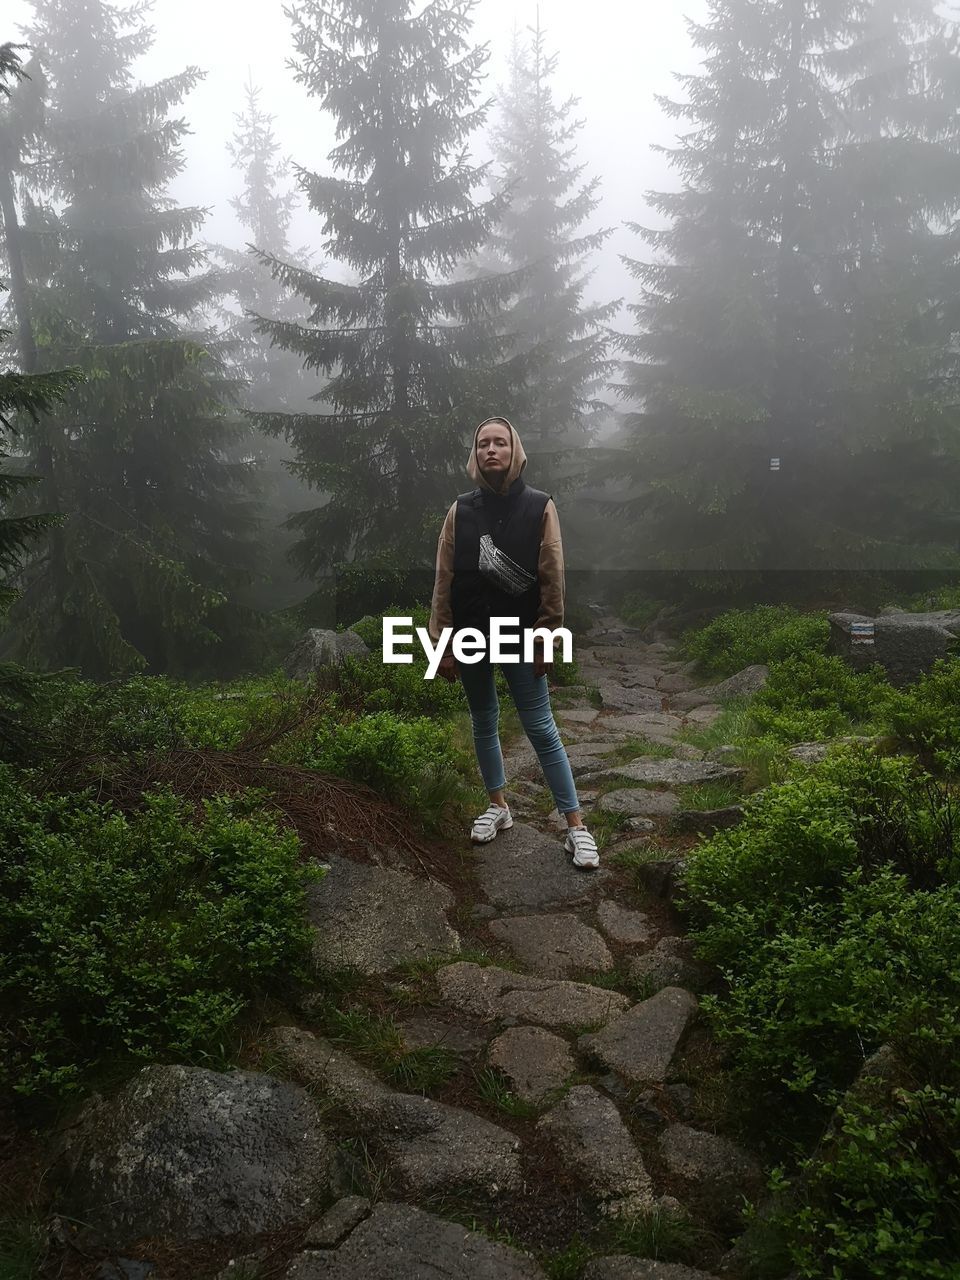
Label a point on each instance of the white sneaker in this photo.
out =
(582, 845)
(489, 823)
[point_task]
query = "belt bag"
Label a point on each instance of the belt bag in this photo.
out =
(496, 566)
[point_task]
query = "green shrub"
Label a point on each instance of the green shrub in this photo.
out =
(155, 713)
(143, 713)
(946, 597)
(370, 627)
(395, 756)
(927, 713)
(880, 963)
(831, 910)
(637, 608)
(882, 1202)
(811, 696)
(369, 684)
(139, 936)
(764, 634)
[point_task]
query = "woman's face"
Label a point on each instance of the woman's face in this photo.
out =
(494, 448)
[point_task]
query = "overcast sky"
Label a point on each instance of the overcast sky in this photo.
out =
(614, 54)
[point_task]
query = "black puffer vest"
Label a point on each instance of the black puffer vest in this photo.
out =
(515, 525)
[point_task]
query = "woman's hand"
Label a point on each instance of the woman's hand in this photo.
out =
(448, 667)
(540, 661)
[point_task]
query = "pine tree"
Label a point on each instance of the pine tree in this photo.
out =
(160, 529)
(22, 395)
(534, 150)
(896, 187)
(276, 379)
(264, 209)
(744, 351)
(413, 354)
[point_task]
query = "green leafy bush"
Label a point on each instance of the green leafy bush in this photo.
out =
(946, 597)
(369, 684)
(811, 696)
(764, 634)
(143, 713)
(832, 912)
(397, 757)
(637, 608)
(882, 1202)
(155, 713)
(140, 936)
(927, 713)
(220, 716)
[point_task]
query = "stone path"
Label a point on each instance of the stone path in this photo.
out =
(578, 1026)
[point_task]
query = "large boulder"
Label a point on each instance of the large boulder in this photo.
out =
(905, 644)
(193, 1154)
(747, 681)
(429, 1147)
(320, 648)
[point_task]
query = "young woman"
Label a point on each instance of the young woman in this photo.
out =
(500, 556)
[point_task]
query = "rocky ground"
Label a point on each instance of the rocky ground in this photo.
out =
(582, 1093)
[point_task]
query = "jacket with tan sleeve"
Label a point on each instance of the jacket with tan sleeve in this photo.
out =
(550, 573)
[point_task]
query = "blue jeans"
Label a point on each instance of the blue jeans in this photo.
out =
(531, 697)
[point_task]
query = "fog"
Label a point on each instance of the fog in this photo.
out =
(614, 56)
(780, 397)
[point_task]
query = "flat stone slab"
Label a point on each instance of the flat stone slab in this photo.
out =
(429, 1147)
(640, 1044)
(642, 722)
(640, 677)
(192, 1154)
(535, 1061)
(635, 801)
(674, 682)
(375, 918)
(492, 993)
(586, 1129)
(522, 868)
(624, 1267)
(705, 715)
(718, 1170)
(707, 821)
(671, 963)
(619, 697)
(632, 928)
(424, 1032)
(553, 946)
(631, 655)
(669, 772)
(338, 1221)
(814, 752)
(577, 715)
(399, 1242)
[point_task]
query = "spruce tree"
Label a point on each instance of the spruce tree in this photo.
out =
(534, 148)
(413, 353)
(752, 446)
(23, 395)
(160, 528)
(275, 378)
(896, 186)
(264, 209)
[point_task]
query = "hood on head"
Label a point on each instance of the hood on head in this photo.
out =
(518, 459)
